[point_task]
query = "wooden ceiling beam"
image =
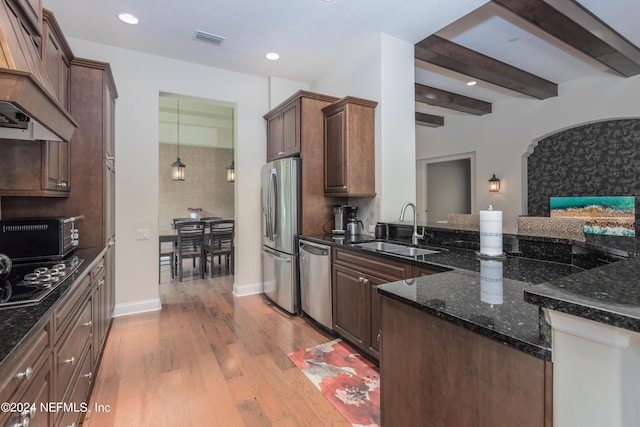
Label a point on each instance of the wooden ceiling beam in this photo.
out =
(574, 25)
(443, 53)
(429, 120)
(453, 101)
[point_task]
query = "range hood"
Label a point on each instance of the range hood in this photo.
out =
(28, 107)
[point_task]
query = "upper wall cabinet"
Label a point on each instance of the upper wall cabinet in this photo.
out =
(349, 148)
(286, 129)
(56, 56)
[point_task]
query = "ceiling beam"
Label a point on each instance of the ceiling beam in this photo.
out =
(452, 56)
(574, 25)
(429, 120)
(453, 101)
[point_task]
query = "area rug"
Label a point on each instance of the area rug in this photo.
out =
(348, 380)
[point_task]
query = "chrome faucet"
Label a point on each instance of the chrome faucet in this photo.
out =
(415, 236)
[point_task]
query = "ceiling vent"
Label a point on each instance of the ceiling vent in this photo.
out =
(208, 37)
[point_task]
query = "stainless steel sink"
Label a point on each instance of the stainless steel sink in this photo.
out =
(379, 246)
(395, 249)
(411, 251)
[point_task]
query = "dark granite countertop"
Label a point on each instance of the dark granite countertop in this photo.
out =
(16, 323)
(595, 279)
(461, 295)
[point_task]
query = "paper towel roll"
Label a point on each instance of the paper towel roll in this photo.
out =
(491, 233)
(491, 282)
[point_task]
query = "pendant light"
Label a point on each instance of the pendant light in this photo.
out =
(231, 171)
(177, 167)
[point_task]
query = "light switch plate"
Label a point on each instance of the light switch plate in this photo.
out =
(142, 234)
(372, 228)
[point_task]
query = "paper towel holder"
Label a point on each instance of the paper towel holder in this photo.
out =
(494, 184)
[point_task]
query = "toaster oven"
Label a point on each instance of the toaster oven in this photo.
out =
(31, 239)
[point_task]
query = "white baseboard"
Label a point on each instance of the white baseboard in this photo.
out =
(250, 289)
(137, 307)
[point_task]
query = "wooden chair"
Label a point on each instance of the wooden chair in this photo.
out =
(190, 244)
(220, 243)
(177, 220)
(210, 218)
(167, 257)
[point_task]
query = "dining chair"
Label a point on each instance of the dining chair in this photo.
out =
(167, 257)
(211, 218)
(177, 220)
(190, 244)
(220, 243)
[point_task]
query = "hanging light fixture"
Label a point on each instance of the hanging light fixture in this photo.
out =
(231, 171)
(177, 167)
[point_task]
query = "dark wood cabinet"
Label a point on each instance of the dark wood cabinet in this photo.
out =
(56, 156)
(295, 127)
(356, 303)
(434, 372)
(283, 136)
(349, 148)
(28, 380)
(56, 56)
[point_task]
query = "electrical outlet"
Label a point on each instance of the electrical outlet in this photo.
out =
(372, 228)
(142, 234)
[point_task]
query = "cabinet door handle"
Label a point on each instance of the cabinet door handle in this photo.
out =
(379, 337)
(88, 324)
(70, 361)
(88, 375)
(26, 374)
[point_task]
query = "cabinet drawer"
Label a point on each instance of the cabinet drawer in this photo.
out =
(28, 361)
(69, 352)
(97, 270)
(78, 393)
(377, 266)
(64, 314)
(37, 394)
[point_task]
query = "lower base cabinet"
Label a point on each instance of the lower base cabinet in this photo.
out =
(435, 373)
(356, 304)
(54, 367)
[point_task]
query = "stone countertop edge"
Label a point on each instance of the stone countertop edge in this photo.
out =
(18, 322)
(609, 294)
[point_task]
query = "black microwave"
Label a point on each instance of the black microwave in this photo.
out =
(30, 239)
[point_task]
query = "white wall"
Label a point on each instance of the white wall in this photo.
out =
(501, 138)
(139, 79)
(382, 70)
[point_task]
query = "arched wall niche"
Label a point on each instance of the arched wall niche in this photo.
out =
(595, 159)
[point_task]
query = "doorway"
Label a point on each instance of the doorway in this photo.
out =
(444, 186)
(202, 135)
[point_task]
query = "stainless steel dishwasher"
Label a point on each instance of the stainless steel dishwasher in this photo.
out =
(315, 282)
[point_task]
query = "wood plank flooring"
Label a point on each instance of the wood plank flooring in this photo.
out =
(208, 359)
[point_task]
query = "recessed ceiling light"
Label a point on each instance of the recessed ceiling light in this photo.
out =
(272, 56)
(128, 18)
(472, 83)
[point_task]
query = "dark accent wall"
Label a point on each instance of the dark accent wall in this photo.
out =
(598, 159)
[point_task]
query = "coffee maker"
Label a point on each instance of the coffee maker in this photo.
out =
(352, 220)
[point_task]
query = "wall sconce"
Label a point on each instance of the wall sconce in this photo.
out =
(177, 167)
(494, 184)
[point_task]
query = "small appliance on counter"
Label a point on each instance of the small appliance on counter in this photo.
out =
(36, 239)
(352, 220)
(338, 219)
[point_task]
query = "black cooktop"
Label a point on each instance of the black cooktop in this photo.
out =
(29, 283)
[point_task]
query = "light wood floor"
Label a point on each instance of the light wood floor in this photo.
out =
(208, 358)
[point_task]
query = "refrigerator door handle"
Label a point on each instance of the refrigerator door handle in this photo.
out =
(276, 256)
(268, 212)
(274, 209)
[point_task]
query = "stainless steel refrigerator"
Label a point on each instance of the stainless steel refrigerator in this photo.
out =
(280, 222)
